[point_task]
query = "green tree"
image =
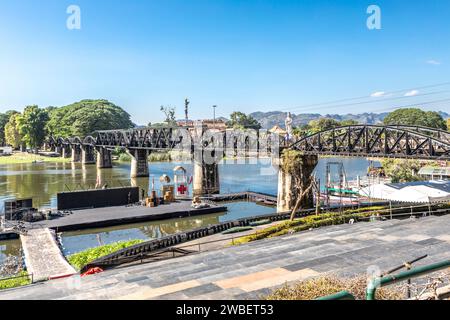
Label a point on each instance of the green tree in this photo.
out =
(12, 134)
(4, 119)
(32, 126)
(402, 170)
(416, 117)
(448, 124)
(323, 124)
(239, 120)
(349, 122)
(169, 113)
(85, 117)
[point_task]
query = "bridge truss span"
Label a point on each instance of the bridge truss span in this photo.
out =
(378, 141)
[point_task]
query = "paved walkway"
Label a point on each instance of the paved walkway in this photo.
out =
(253, 270)
(43, 257)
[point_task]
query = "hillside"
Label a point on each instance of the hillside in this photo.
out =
(270, 119)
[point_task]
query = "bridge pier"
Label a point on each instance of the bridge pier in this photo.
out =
(76, 153)
(139, 163)
(66, 152)
(206, 179)
(104, 159)
(287, 191)
(87, 155)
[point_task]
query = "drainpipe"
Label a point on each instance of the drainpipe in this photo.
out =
(413, 273)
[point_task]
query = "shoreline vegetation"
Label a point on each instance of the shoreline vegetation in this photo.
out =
(80, 259)
(24, 158)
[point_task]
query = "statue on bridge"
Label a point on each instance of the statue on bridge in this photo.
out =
(289, 130)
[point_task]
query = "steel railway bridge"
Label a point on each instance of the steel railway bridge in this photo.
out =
(404, 142)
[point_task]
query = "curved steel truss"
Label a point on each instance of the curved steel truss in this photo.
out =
(378, 141)
(359, 140)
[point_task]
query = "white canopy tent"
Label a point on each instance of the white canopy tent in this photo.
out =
(412, 192)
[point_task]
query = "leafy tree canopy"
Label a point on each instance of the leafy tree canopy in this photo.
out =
(240, 120)
(416, 117)
(85, 117)
(31, 125)
(12, 134)
(323, 124)
(4, 119)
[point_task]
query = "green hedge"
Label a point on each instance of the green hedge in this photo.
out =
(312, 222)
(16, 282)
(79, 260)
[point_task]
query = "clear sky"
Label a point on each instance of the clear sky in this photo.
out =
(245, 55)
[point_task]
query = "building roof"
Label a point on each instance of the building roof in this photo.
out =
(278, 130)
(411, 192)
(435, 171)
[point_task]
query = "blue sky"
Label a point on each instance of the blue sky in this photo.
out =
(240, 55)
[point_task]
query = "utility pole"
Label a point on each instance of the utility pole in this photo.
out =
(214, 108)
(186, 110)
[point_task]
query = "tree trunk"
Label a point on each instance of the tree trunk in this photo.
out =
(299, 201)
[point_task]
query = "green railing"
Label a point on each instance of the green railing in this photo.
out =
(386, 280)
(343, 295)
(379, 282)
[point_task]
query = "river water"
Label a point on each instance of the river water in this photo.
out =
(43, 181)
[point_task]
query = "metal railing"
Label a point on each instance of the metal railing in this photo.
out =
(379, 282)
(389, 279)
(153, 246)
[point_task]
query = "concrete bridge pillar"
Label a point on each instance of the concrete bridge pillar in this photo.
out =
(287, 191)
(87, 155)
(206, 173)
(139, 163)
(76, 153)
(59, 150)
(66, 152)
(104, 159)
(206, 179)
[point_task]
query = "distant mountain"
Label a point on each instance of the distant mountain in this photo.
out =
(269, 119)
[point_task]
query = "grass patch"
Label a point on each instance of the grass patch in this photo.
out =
(311, 222)
(79, 260)
(22, 279)
(323, 286)
(20, 158)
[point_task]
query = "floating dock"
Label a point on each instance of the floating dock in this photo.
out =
(114, 216)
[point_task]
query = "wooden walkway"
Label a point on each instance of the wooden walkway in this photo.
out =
(43, 257)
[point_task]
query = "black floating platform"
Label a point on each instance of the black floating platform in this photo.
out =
(115, 216)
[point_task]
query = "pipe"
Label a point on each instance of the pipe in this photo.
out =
(343, 295)
(413, 273)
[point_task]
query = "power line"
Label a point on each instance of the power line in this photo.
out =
(365, 97)
(378, 101)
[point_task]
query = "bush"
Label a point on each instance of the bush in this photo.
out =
(312, 289)
(124, 157)
(160, 157)
(311, 222)
(79, 260)
(16, 282)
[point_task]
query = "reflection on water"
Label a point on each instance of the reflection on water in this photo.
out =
(44, 180)
(10, 248)
(74, 242)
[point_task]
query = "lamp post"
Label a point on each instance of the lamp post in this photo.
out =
(214, 108)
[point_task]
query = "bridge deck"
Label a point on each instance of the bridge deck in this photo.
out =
(252, 270)
(43, 257)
